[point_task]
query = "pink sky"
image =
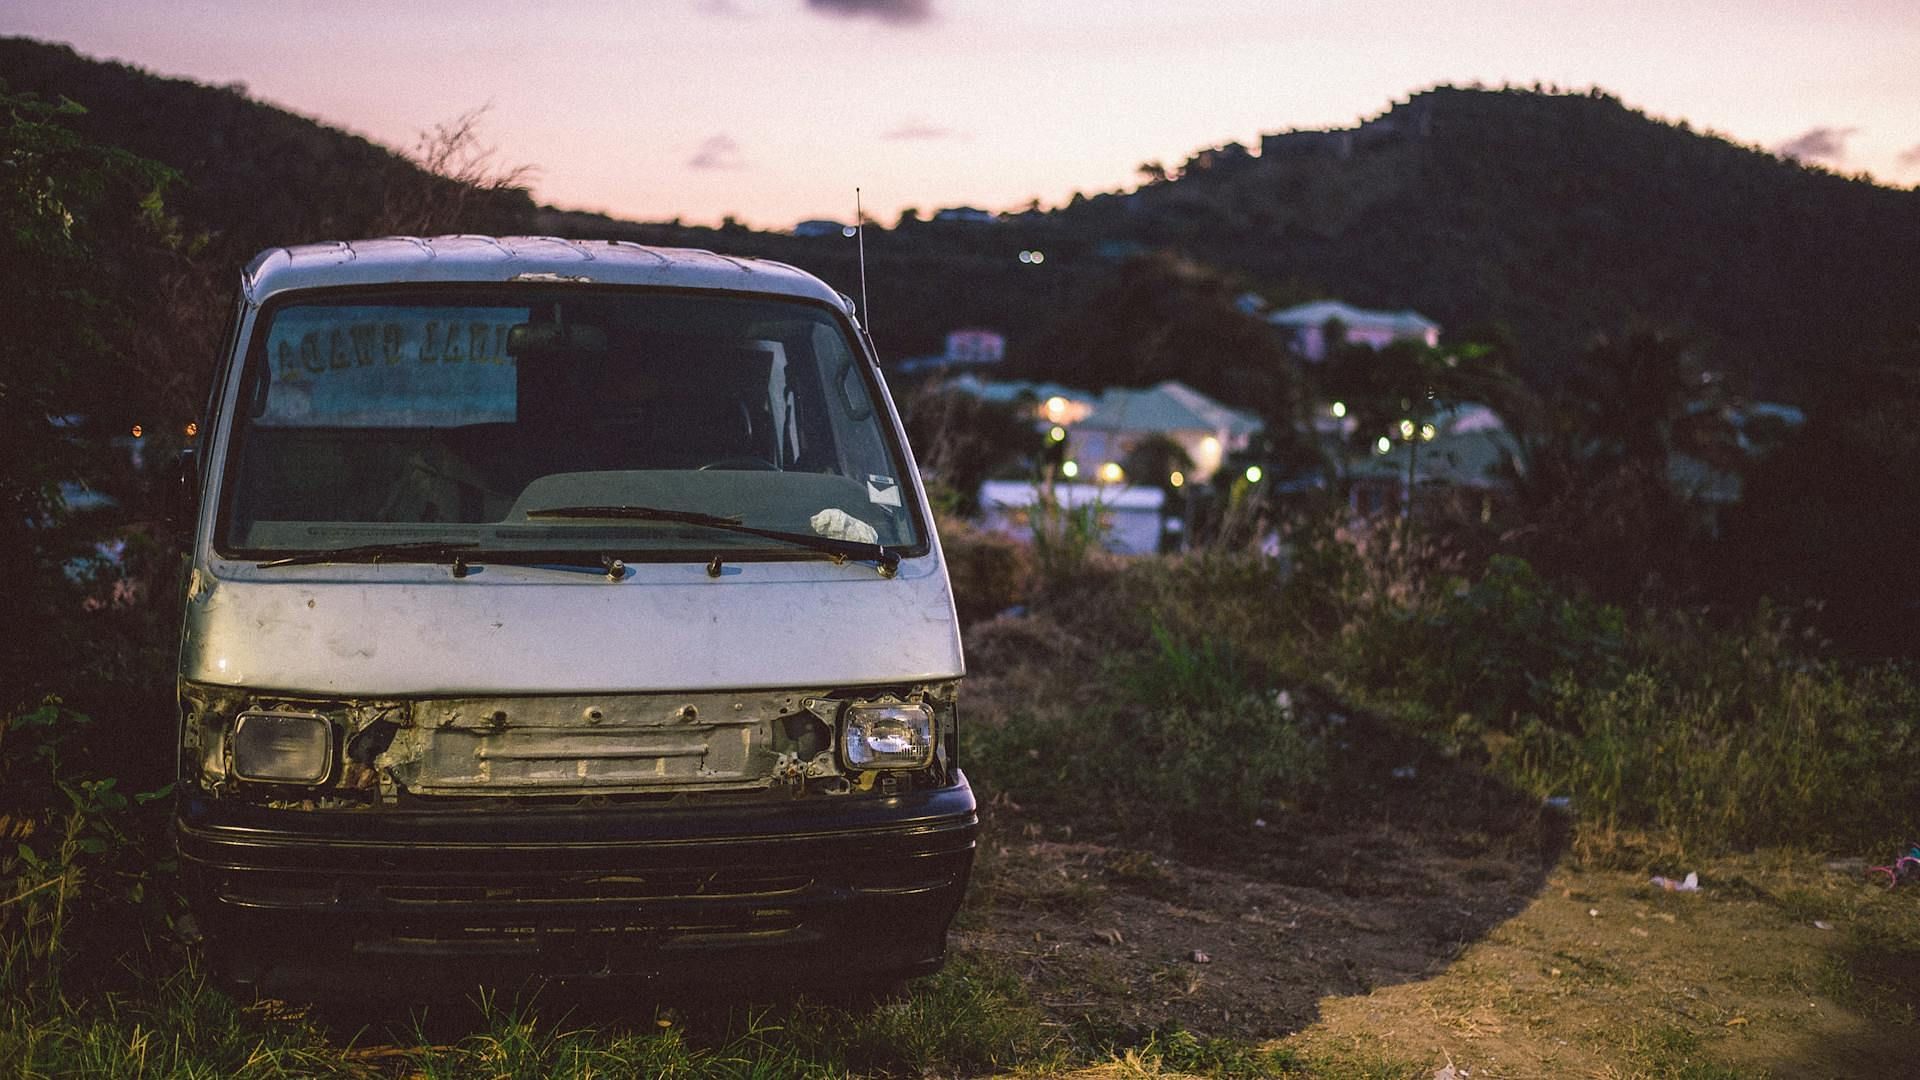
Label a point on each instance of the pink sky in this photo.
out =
(773, 110)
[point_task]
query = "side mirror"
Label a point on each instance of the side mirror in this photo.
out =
(183, 506)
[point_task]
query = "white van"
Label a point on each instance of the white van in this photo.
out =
(568, 605)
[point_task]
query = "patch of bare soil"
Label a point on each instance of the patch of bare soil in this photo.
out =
(1422, 915)
(1404, 861)
(1771, 969)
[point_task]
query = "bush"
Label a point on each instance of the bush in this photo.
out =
(1715, 735)
(1493, 649)
(1178, 738)
(1817, 757)
(990, 573)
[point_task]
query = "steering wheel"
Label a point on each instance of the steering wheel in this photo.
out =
(743, 462)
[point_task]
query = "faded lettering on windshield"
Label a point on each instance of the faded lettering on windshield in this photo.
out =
(378, 366)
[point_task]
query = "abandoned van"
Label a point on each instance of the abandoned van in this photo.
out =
(569, 605)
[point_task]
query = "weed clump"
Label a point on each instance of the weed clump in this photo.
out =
(1183, 739)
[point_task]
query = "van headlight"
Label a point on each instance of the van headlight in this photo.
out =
(282, 747)
(887, 736)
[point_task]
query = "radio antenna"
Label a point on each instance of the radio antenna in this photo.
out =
(860, 233)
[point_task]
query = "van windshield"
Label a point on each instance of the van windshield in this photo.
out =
(470, 416)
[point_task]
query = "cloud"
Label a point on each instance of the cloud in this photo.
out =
(725, 9)
(718, 152)
(1909, 158)
(897, 12)
(1818, 145)
(920, 131)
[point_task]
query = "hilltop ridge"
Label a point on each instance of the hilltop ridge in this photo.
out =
(1536, 217)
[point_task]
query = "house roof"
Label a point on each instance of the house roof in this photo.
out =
(1317, 313)
(1170, 406)
(1005, 390)
(1468, 459)
(1020, 494)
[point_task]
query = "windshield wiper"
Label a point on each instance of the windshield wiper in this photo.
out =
(887, 561)
(412, 551)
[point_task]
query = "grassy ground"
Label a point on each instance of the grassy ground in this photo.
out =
(1235, 824)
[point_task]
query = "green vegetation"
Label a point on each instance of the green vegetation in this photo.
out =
(1183, 741)
(966, 1020)
(1558, 649)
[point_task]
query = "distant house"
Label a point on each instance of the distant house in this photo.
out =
(1128, 517)
(1101, 430)
(1121, 419)
(967, 215)
(972, 348)
(1462, 449)
(1315, 329)
(819, 227)
(1410, 119)
(1759, 429)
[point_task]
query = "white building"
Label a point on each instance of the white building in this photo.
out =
(1120, 420)
(1312, 328)
(1101, 430)
(1128, 517)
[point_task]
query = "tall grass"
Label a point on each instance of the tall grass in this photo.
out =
(1715, 732)
(1177, 735)
(1718, 734)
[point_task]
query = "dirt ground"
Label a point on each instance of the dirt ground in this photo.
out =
(1430, 918)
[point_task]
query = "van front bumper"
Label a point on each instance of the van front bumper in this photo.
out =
(808, 891)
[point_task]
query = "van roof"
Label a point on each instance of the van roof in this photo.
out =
(521, 258)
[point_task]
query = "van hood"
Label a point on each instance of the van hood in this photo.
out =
(415, 630)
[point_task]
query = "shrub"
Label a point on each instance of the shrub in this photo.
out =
(1493, 649)
(1179, 737)
(990, 573)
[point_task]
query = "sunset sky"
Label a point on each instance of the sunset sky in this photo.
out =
(773, 110)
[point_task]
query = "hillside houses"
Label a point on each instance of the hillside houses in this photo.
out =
(1314, 330)
(1100, 432)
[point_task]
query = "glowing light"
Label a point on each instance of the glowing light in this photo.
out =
(1339, 409)
(193, 428)
(1026, 256)
(1406, 429)
(849, 231)
(1254, 473)
(1177, 479)
(1111, 473)
(138, 431)
(1038, 257)
(1209, 445)
(1427, 432)
(1056, 407)
(1057, 434)
(1382, 445)
(1069, 469)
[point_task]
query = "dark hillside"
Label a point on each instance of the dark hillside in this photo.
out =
(1558, 216)
(255, 175)
(1547, 217)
